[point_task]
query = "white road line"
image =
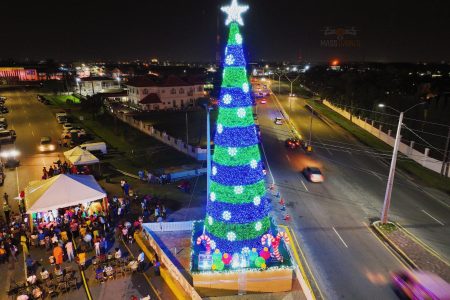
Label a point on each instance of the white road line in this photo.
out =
(287, 156)
(304, 185)
(433, 217)
(376, 175)
(339, 236)
(32, 132)
(267, 162)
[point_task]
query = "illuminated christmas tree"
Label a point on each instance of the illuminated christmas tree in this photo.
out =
(237, 210)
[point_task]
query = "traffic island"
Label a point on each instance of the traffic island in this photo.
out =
(414, 251)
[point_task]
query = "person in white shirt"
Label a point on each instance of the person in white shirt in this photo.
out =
(44, 274)
(97, 247)
(69, 250)
(32, 279)
(140, 260)
(118, 254)
(54, 239)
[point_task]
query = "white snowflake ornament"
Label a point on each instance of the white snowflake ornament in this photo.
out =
(232, 151)
(241, 112)
(238, 189)
(226, 215)
(229, 60)
(231, 236)
(227, 99)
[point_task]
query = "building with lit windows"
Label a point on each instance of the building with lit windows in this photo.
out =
(14, 74)
(172, 92)
(89, 86)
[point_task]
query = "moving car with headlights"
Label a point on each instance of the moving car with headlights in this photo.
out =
(46, 145)
(10, 158)
(414, 284)
(293, 143)
(313, 174)
(278, 121)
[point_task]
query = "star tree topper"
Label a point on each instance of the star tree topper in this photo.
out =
(234, 12)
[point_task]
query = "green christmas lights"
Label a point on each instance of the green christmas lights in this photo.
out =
(234, 77)
(237, 194)
(243, 156)
(236, 117)
(241, 232)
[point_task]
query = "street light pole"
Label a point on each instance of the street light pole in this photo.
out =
(390, 183)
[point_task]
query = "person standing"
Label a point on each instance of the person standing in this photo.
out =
(69, 250)
(58, 254)
(23, 243)
(6, 197)
(140, 259)
(7, 211)
(122, 183)
(97, 247)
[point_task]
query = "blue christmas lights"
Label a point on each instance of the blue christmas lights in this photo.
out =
(238, 175)
(247, 212)
(237, 137)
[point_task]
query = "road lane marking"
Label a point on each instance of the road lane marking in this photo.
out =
(433, 217)
(287, 156)
(32, 132)
(304, 185)
(376, 175)
(339, 236)
(267, 161)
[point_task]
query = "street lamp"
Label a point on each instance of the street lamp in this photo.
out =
(390, 183)
(118, 81)
(78, 80)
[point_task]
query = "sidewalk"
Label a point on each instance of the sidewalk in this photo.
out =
(414, 250)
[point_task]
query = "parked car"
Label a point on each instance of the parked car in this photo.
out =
(278, 121)
(6, 136)
(313, 174)
(4, 110)
(414, 284)
(67, 126)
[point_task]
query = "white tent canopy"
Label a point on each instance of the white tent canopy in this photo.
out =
(61, 191)
(78, 156)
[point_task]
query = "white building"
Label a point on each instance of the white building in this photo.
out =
(89, 86)
(151, 93)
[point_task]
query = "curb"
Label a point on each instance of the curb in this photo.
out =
(403, 255)
(425, 246)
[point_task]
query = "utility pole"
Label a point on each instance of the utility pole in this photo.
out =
(279, 81)
(444, 169)
(390, 183)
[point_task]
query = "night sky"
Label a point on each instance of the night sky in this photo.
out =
(387, 30)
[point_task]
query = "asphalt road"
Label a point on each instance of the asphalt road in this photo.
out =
(331, 218)
(31, 120)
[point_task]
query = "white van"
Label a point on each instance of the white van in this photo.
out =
(99, 147)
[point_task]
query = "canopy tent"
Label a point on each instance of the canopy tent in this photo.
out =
(61, 191)
(78, 156)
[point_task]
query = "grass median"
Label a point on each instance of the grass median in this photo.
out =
(426, 176)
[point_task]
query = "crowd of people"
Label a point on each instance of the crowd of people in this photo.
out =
(60, 167)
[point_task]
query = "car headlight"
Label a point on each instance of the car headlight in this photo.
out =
(41, 148)
(52, 147)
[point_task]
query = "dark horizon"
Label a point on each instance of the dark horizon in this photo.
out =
(274, 31)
